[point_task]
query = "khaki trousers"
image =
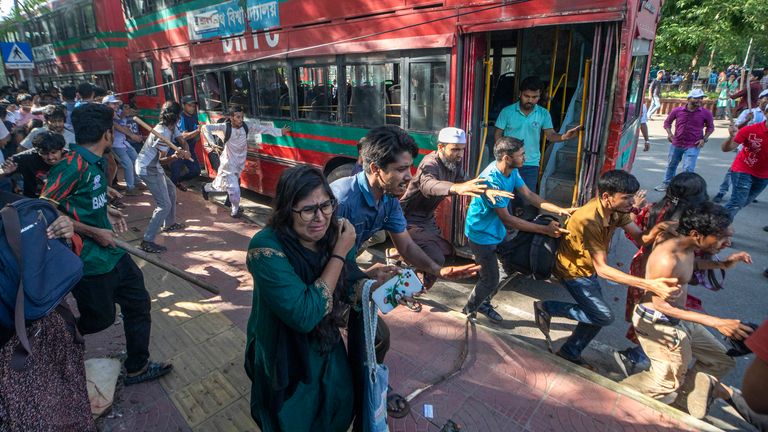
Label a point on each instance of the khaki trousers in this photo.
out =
(671, 350)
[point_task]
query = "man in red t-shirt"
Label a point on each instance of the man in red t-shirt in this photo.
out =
(750, 168)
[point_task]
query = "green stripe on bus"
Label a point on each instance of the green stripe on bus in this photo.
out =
(149, 114)
(159, 27)
(100, 45)
(74, 41)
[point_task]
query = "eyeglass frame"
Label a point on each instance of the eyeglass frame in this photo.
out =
(315, 208)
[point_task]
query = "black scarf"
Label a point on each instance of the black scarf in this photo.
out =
(292, 350)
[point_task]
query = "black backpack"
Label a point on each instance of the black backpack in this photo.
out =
(213, 155)
(228, 132)
(530, 253)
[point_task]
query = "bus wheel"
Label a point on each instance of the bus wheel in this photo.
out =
(340, 172)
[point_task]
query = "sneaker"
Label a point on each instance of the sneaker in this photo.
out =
(180, 186)
(542, 318)
(205, 193)
(626, 365)
(718, 198)
(661, 188)
(700, 398)
(488, 310)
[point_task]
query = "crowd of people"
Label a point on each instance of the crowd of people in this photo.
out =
(308, 285)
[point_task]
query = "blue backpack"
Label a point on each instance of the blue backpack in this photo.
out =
(36, 272)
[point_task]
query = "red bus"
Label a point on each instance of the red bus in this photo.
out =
(76, 41)
(332, 70)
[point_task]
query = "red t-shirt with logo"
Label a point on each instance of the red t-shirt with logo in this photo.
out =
(758, 341)
(753, 157)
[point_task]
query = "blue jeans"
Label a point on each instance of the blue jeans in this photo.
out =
(530, 175)
(488, 277)
(676, 154)
(164, 193)
(590, 310)
(726, 184)
(127, 157)
(746, 188)
(655, 105)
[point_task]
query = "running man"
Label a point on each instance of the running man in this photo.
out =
(234, 154)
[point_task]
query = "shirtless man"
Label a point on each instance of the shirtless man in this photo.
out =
(670, 334)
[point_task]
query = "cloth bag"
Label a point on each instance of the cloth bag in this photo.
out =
(377, 375)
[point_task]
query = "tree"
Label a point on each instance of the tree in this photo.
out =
(690, 29)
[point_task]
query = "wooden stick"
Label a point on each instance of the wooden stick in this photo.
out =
(749, 84)
(162, 138)
(122, 244)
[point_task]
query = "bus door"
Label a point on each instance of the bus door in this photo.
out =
(183, 72)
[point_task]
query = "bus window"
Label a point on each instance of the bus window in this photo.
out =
(144, 77)
(209, 92)
(317, 92)
(167, 76)
(89, 21)
(428, 96)
(272, 98)
(237, 88)
(369, 93)
(634, 102)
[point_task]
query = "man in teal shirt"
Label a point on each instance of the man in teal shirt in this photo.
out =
(525, 120)
(487, 222)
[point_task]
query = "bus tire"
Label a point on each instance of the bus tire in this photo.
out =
(340, 171)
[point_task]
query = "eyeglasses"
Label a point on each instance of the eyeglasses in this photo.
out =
(308, 213)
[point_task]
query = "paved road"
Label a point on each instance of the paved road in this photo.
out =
(744, 296)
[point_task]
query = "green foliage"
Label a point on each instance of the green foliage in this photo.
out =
(688, 25)
(24, 10)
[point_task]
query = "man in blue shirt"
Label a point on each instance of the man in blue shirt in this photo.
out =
(487, 222)
(525, 120)
(369, 201)
(188, 125)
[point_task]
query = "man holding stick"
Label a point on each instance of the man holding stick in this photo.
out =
(78, 187)
(150, 170)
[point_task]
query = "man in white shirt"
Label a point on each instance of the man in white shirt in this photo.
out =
(54, 116)
(234, 154)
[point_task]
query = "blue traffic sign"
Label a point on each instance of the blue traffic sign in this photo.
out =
(17, 55)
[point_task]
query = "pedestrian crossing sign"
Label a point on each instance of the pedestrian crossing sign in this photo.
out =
(17, 55)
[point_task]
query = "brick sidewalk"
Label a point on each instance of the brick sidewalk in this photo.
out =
(504, 385)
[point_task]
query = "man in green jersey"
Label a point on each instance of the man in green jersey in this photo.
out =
(77, 185)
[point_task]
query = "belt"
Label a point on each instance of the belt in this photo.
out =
(655, 317)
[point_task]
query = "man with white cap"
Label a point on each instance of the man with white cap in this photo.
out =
(693, 126)
(439, 175)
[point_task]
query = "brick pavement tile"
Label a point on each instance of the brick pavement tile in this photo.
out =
(554, 416)
(445, 401)
(631, 415)
(206, 326)
(511, 398)
(234, 418)
(476, 415)
(411, 423)
(199, 401)
(570, 390)
(158, 416)
(234, 371)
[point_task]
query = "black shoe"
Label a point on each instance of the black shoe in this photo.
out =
(205, 193)
(765, 273)
(227, 202)
(765, 228)
(471, 316)
(542, 318)
(718, 198)
(488, 310)
(578, 362)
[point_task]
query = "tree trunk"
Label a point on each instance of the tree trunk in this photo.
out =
(688, 77)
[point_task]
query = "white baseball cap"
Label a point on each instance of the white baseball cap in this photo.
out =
(696, 93)
(763, 93)
(108, 99)
(452, 135)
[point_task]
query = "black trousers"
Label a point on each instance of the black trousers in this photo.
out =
(96, 297)
(357, 357)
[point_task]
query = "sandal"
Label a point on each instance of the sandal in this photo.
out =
(413, 306)
(152, 247)
(152, 371)
(175, 227)
(397, 406)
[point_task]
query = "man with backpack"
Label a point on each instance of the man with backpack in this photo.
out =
(78, 187)
(233, 155)
(582, 257)
(488, 220)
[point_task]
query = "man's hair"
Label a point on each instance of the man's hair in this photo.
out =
(757, 73)
(3, 111)
(234, 109)
(90, 122)
(506, 146)
(706, 219)
(384, 144)
(46, 142)
(617, 181)
(86, 90)
(169, 114)
(68, 92)
(99, 92)
(54, 112)
(23, 97)
(530, 83)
